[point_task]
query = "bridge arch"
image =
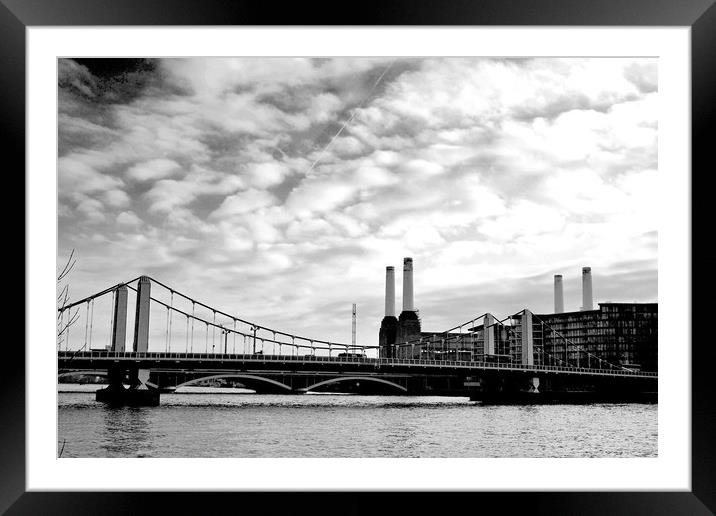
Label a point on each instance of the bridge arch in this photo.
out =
(355, 378)
(234, 375)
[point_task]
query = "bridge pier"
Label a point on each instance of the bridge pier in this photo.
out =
(501, 390)
(551, 387)
(137, 394)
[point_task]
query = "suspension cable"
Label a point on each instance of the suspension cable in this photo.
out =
(244, 321)
(449, 338)
(170, 309)
(581, 348)
(98, 294)
(213, 325)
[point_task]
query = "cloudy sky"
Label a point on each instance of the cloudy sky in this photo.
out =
(279, 189)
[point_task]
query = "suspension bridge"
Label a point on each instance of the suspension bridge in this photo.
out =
(520, 359)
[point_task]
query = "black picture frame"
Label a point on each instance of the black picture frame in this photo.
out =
(699, 15)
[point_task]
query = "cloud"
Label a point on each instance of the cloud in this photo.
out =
(80, 173)
(168, 194)
(242, 203)
(117, 198)
(317, 195)
(153, 170)
(217, 176)
(216, 76)
(129, 219)
(72, 75)
(91, 210)
(264, 175)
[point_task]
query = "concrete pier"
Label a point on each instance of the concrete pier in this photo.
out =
(136, 394)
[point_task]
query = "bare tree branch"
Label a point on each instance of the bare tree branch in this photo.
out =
(69, 265)
(63, 327)
(63, 300)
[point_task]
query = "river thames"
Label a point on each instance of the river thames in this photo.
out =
(207, 422)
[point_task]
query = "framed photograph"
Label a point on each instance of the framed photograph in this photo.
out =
(219, 198)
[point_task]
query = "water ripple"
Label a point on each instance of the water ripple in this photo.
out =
(245, 425)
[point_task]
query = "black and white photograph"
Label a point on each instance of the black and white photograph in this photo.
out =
(357, 257)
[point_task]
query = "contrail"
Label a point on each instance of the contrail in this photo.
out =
(350, 119)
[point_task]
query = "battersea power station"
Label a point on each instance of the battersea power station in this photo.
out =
(613, 335)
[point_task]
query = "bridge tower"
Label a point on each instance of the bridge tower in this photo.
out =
(527, 338)
(488, 325)
(408, 322)
(119, 327)
(353, 326)
(141, 319)
(389, 325)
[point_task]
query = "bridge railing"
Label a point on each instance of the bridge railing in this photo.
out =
(69, 355)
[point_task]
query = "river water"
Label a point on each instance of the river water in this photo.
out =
(207, 422)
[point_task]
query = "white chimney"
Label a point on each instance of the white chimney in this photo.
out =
(408, 285)
(558, 294)
(390, 291)
(587, 288)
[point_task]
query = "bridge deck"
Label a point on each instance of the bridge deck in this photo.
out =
(229, 360)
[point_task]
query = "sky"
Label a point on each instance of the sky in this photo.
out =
(279, 189)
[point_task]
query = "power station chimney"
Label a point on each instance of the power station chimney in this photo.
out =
(389, 325)
(558, 294)
(390, 291)
(408, 323)
(408, 285)
(587, 288)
